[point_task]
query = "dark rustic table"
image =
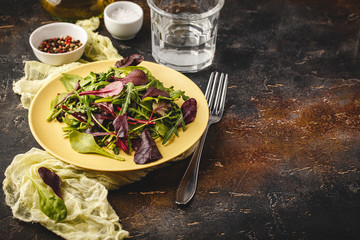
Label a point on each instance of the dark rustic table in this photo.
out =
(284, 161)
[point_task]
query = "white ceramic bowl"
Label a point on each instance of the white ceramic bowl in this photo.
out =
(123, 19)
(57, 30)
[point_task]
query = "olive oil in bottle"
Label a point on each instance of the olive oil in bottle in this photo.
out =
(72, 10)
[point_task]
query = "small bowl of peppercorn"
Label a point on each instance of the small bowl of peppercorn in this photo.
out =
(58, 43)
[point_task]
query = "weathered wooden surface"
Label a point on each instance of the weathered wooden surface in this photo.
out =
(284, 161)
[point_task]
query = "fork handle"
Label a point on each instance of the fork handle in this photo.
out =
(187, 187)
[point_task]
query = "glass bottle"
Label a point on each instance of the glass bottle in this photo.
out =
(72, 10)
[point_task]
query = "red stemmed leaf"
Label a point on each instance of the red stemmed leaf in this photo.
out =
(110, 90)
(67, 95)
(99, 134)
(123, 144)
(51, 179)
(121, 127)
(107, 107)
(78, 115)
(147, 151)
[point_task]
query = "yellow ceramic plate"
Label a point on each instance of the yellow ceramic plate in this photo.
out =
(51, 137)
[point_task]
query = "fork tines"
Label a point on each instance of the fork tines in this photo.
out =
(219, 84)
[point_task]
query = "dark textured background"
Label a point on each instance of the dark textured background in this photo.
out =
(284, 161)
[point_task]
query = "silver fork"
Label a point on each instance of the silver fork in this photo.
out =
(215, 95)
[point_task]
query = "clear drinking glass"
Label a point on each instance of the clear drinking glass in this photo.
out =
(183, 32)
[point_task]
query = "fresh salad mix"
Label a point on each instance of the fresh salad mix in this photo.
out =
(126, 109)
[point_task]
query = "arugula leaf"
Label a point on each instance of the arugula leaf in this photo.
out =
(178, 94)
(85, 100)
(85, 143)
(129, 91)
(173, 130)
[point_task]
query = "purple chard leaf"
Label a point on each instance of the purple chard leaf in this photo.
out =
(155, 92)
(135, 143)
(136, 77)
(121, 127)
(189, 110)
(132, 60)
(147, 151)
(110, 90)
(51, 179)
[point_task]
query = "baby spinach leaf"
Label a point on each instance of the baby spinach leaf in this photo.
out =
(70, 81)
(85, 143)
(161, 128)
(50, 204)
